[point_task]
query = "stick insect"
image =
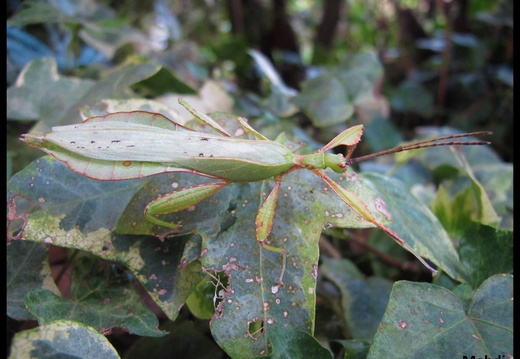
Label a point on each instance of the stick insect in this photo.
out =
(130, 145)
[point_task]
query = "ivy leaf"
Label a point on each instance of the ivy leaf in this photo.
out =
(74, 211)
(34, 273)
(423, 319)
(77, 212)
(64, 97)
(485, 251)
(331, 98)
(63, 339)
(40, 92)
(363, 300)
(294, 344)
(101, 296)
(417, 225)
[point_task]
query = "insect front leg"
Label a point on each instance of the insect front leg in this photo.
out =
(264, 225)
(179, 200)
(354, 202)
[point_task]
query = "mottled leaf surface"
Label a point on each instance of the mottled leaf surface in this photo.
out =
(101, 295)
(218, 236)
(423, 320)
(417, 225)
(62, 339)
(78, 212)
(82, 213)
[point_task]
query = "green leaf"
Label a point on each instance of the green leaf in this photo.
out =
(81, 213)
(468, 205)
(101, 296)
(204, 298)
(497, 179)
(423, 320)
(63, 97)
(27, 269)
(363, 300)
(485, 212)
(86, 205)
(412, 96)
(417, 225)
(253, 301)
(354, 349)
(40, 92)
(62, 339)
(330, 98)
(454, 215)
(253, 306)
(485, 251)
(492, 314)
(359, 74)
(323, 100)
(164, 81)
(219, 237)
(294, 344)
(465, 293)
(38, 12)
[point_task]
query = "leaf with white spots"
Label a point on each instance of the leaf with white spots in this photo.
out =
(422, 320)
(416, 224)
(253, 307)
(82, 213)
(218, 236)
(105, 218)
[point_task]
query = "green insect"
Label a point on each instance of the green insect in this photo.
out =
(129, 145)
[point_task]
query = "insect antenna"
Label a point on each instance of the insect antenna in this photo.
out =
(433, 142)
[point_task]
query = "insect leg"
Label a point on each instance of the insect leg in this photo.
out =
(264, 224)
(250, 129)
(179, 200)
(203, 118)
(354, 202)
